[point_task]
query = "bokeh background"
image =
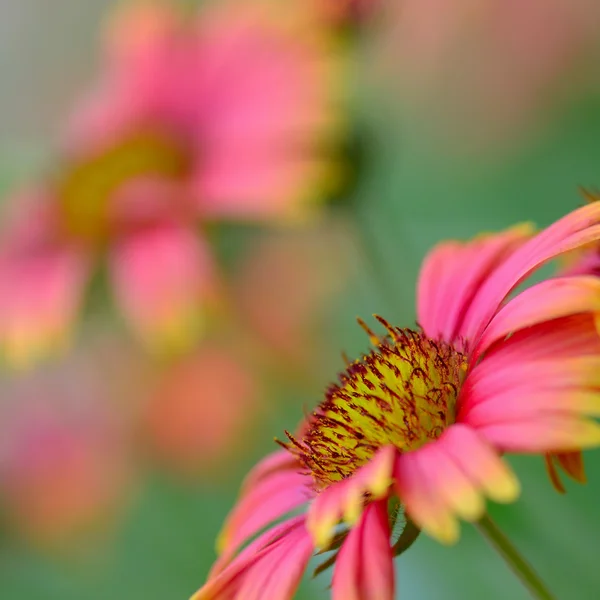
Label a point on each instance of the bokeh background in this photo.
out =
(118, 465)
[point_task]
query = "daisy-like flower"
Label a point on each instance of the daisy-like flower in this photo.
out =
(422, 420)
(223, 114)
(242, 100)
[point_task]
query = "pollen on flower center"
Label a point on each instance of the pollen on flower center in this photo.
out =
(402, 393)
(85, 189)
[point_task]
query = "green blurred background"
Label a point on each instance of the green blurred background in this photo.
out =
(414, 188)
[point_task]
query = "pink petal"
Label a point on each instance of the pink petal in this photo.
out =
(559, 339)
(162, 276)
(248, 185)
(545, 301)
(345, 499)
(280, 460)
(480, 463)
(545, 368)
(573, 231)
(452, 485)
(421, 500)
(529, 403)
(280, 569)
(364, 568)
(270, 567)
(140, 83)
(263, 504)
(548, 432)
(452, 274)
(266, 107)
(40, 294)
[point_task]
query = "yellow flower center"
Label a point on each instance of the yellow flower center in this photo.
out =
(402, 393)
(85, 190)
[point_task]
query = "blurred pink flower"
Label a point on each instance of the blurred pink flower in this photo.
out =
(199, 413)
(65, 460)
(424, 418)
(226, 114)
(42, 278)
(161, 271)
(482, 73)
(245, 93)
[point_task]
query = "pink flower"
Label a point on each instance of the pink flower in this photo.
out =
(422, 420)
(244, 94)
(222, 116)
(160, 269)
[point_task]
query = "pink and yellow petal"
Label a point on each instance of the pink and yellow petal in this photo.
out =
(40, 296)
(548, 432)
(265, 139)
(452, 274)
(422, 501)
(364, 567)
(163, 277)
(263, 504)
(272, 464)
(454, 487)
(270, 567)
(551, 299)
(573, 231)
(557, 340)
(344, 500)
(280, 570)
(481, 463)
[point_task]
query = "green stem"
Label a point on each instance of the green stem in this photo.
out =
(522, 569)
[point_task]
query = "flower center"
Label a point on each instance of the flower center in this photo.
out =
(402, 393)
(85, 191)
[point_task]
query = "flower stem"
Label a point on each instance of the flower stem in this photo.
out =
(498, 540)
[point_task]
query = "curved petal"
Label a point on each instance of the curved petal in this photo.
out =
(571, 463)
(263, 504)
(548, 432)
(345, 499)
(40, 294)
(480, 463)
(548, 300)
(280, 460)
(270, 567)
(452, 275)
(268, 106)
(500, 386)
(364, 567)
(573, 231)
(531, 377)
(560, 339)
(162, 276)
(279, 478)
(448, 478)
(421, 500)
